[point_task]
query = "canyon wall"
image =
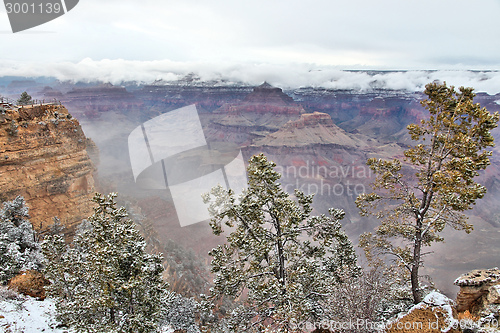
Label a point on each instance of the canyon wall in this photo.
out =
(44, 156)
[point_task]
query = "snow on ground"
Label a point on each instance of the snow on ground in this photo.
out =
(432, 302)
(24, 314)
(437, 299)
(28, 315)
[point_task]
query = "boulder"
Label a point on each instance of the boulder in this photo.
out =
(435, 314)
(29, 283)
(493, 296)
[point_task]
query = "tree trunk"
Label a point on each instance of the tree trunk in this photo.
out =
(415, 287)
(281, 259)
(417, 297)
(281, 256)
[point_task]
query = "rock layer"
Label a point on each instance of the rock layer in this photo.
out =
(43, 157)
(261, 112)
(478, 289)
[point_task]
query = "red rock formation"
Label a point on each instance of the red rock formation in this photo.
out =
(264, 99)
(91, 101)
(310, 129)
(311, 120)
(264, 110)
(29, 283)
(43, 157)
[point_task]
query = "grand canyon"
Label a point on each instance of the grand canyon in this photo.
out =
(319, 138)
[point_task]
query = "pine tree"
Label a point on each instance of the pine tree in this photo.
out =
(24, 99)
(281, 260)
(180, 313)
(105, 281)
(415, 205)
(19, 249)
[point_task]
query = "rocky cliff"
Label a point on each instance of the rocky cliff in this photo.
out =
(43, 157)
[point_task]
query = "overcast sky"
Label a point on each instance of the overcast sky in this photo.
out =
(231, 34)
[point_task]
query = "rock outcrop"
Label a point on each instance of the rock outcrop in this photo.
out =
(29, 283)
(310, 129)
(43, 157)
(478, 289)
(435, 314)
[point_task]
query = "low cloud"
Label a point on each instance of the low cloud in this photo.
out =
(286, 76)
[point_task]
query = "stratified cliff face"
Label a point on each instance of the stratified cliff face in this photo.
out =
(266, 109)
(264, 99)
(43, 157)
(90, 102)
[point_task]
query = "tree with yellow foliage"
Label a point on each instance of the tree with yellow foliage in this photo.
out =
(431, 188)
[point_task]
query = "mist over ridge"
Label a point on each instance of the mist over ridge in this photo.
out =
(119, 71)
